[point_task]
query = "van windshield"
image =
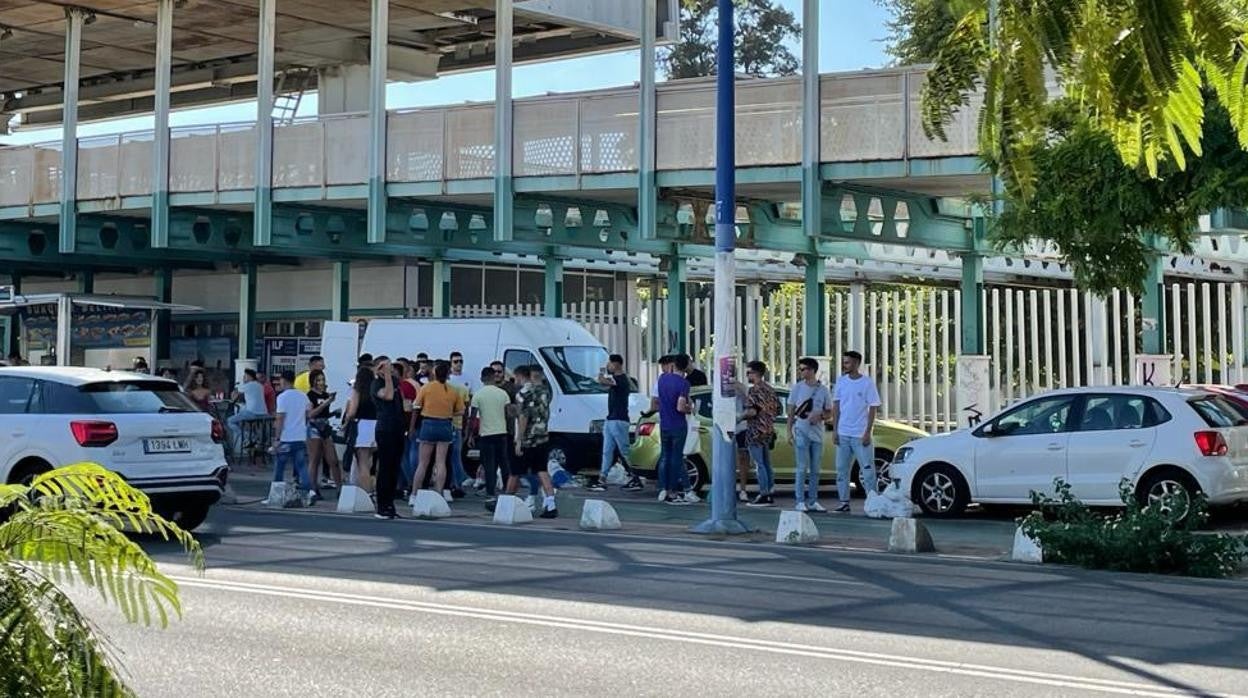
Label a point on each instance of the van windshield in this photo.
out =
(576, 368)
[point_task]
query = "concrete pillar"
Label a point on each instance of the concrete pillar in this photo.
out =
(160, 138)
(441, 288)
(262, 234)
(14, 340)
(380, 38)
(343, 89)
(812, 186)
(858, 317)
(64, 325)
(677, 339)
(340, 304)
(647, 187)
(164, 318)
(504, 189)
(68, 229)
(815, 307)
(247, 312)
(553, 297)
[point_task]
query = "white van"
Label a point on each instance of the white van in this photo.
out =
(571, 357)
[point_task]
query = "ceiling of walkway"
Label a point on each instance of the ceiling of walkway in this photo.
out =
(214, 45)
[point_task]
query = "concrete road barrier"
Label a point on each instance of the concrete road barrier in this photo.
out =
(279, 493)
(598, 515)
(511, 510)
(796, 528)
(427, 504)
(354, 500)
(910, 536)
(1026, 549)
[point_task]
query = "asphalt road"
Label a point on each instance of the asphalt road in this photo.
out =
(309, 604)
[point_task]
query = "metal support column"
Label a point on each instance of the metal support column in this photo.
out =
(160, 137)
(504, 188)
(377, 67)
(815, 307)
(247, 312)
(723, 496)
(164, 318)
(677, 312)
(262, 233)
(86, 281)
(441, 288)
(64, 329)
(68, 232)
(14, 340)
(858, 317)
(812, 186)
(1153, 306)
(972, 303)
(340, 304)
(552, 299)
(647, 187)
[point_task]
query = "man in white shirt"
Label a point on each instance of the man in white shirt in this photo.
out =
(854, 405)
(252, 395)
(290, 436)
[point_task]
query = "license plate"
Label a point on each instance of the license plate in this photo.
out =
(162, 446)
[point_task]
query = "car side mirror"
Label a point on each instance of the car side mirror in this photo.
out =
(989, 430)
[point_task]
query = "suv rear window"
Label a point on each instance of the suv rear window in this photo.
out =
(129, 397)
(1218, 412)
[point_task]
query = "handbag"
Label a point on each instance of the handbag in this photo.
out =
(693, 435)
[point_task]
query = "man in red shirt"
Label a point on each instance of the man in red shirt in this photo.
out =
(270, 394)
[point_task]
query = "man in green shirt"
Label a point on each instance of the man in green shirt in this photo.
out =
(491, 402)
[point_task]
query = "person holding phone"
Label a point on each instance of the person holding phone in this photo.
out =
(389, 434)
(320, 433)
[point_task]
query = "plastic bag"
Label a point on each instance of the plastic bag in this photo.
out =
(892, 504)
(693, 438)
(616, 475)
(559, 477)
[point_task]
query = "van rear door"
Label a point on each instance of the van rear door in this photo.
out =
(340, 345)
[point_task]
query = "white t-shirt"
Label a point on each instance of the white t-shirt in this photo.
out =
(464, 380)
(856, 397)
(293, 405)
(253, 398)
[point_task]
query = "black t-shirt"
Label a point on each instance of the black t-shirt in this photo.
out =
(617, 399)
(389, 412)
(696, 377)
(317, 398)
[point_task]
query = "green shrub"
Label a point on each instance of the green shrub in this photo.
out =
(1136, 539)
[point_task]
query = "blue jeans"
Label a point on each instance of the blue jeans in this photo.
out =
(411, 459)
(614, 438)
(234, 425)
(809, 458)
(849, 449)
(295, 453)
(672, 459)
(761, 456)
(457, 460)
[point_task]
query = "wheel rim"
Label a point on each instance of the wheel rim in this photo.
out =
(557, 455)
(938, 492)
(883, 474)
(695, 478)
(1171, 498)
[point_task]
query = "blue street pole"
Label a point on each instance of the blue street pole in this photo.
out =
(723, 454)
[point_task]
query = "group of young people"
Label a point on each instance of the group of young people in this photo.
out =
(405, 424)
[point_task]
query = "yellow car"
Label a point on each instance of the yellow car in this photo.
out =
(888, 436)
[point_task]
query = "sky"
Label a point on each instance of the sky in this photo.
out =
(851, 36)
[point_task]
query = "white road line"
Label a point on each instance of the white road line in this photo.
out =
(726, 641)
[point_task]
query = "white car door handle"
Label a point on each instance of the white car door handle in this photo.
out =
(1136, 443)
(1056, 447)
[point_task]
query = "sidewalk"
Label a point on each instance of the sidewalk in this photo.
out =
(642, 514)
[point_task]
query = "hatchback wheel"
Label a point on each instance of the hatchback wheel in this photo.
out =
(940, 491)
(695, 468)
(1171, 491)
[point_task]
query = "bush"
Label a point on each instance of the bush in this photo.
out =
(1136, 539)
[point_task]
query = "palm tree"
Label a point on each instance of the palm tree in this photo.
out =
(68, 526)
(1140, 70)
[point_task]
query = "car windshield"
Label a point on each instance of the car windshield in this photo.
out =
(576, 369)
(124, 397)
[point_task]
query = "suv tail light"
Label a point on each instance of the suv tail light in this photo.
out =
(645, 429)
(1211, 443)
(94, 434)
(218, 431)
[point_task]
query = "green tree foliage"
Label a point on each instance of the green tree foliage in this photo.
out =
(67, 526)
(1144, 72)
(917, 29)
(763, 31)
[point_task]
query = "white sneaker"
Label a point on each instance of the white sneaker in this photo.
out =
(446, 494)
(801, 506)
(531, 502)
(692, 498)
(662, 495)
(411, 501)
(468, 485)
(742, 496)
(817, 508)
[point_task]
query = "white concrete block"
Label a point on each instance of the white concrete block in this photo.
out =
(910, 536)
(1026, 549)
(599, 515)
(354, 500)
(229, 496)
(511, 510)
(279, 494)
(796, 528)
(427, 504)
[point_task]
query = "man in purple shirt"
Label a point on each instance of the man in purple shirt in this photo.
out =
(674, 405)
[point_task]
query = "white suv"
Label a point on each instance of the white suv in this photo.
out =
(1163, 441)
(141, 427)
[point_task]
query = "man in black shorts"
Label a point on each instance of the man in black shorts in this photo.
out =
(532, 439)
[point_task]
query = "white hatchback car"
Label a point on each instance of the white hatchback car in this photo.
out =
(1163, 441)
(142, 428)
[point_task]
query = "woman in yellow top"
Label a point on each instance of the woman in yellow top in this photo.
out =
(439, 403)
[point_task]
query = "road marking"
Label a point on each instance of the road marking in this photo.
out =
(707, 639)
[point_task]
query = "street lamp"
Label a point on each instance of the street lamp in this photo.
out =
(723, 454)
